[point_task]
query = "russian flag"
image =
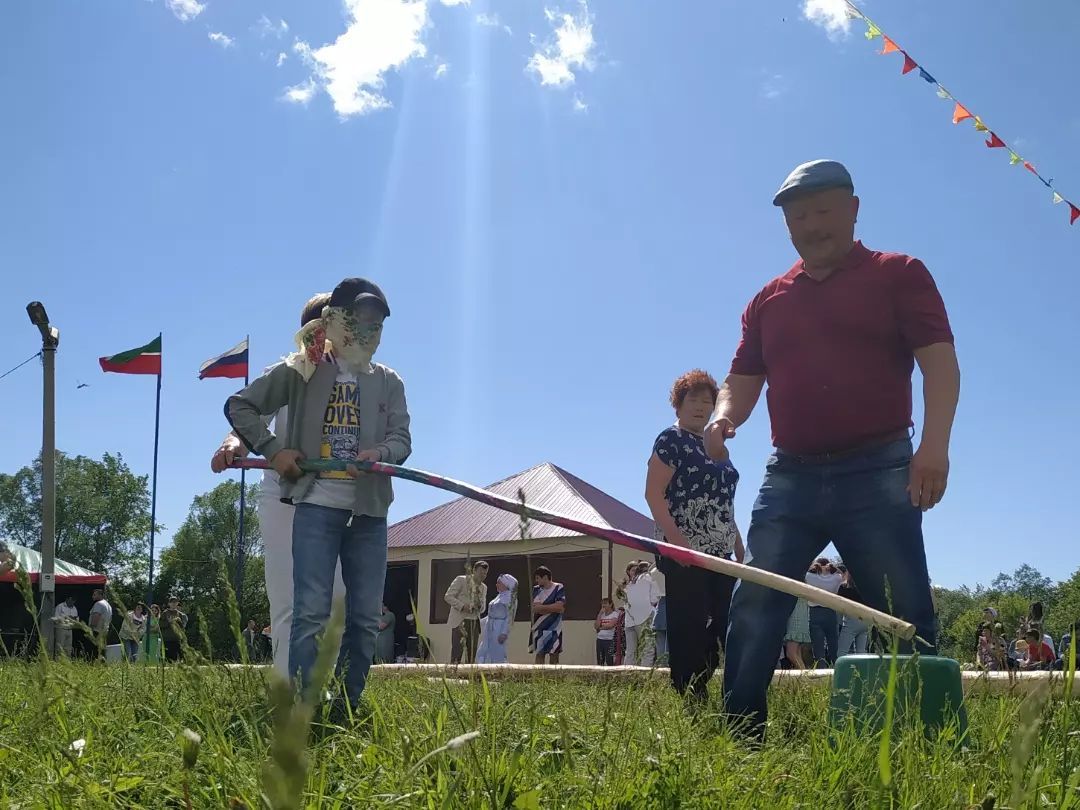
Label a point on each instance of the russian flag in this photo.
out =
(232, 364)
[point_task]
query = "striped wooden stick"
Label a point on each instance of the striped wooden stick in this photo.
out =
(679, 554)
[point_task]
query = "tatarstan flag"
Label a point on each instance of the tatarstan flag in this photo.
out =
(144, 360)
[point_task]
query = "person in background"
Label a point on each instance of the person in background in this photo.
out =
(607, 620)
(692, 500)
(276, 521)
(1035, 619)
(797, 634)
(1064, 649)
(548, 606)
(824, 625)
(100, 620)
(989, 616)
(500, 621)
(173, 622)
(64, 618)
(853, 632)
(1040, 655)
(659, 620)
(7, 559)
(251, 641)
(641, 599)
(466, 597)
(133, 631)
(836, 339)
(153, 645)
(991, 649)
(384, 643)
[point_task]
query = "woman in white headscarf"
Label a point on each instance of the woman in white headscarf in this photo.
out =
(500, 618)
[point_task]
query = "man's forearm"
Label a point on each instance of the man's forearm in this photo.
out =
(737, 398)
(941, 391)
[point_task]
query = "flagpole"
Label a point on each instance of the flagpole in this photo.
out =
(153, 501)
(240, 535)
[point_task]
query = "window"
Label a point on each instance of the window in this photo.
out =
(580, 571)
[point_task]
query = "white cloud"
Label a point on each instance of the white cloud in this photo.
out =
(224, 40)
(301, 93)
(441, 70)
(265, 28)
(381, 35)
(281, 57)
(455, 2)
(492, 21)
(773, 86)
(579, 104)
(185, 10)
(555, 61)
(833, 15)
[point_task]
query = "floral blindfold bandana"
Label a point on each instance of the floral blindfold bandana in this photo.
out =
(351, 335)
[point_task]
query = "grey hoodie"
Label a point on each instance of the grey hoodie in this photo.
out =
(384, 424)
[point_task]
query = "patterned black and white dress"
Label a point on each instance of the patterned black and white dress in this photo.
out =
(701, 492)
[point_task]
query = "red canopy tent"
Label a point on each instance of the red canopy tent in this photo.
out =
(67, 573)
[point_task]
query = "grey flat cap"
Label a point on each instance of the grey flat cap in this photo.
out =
(817, 175)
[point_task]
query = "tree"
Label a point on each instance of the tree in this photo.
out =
(199, 566)
(102, 513)
(1025, 581)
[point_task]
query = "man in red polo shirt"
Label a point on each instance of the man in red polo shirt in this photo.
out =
(836, 339)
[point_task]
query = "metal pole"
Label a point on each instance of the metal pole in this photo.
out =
(239, 588)
(153, 505)
(47, 580)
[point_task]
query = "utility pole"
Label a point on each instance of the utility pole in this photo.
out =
(50, 341)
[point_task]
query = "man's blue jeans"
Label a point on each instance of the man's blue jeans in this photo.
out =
(320, 536)
(862, 506)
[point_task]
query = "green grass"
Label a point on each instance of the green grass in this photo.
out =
(538, 745)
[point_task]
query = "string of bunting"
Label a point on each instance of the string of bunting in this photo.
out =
(960, 112)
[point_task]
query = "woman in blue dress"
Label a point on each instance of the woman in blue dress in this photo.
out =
(691, 498)
(500, 619)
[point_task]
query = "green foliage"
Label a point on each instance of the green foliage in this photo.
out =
(200, 565)
(102, 513)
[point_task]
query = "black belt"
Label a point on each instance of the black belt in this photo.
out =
(852, 452)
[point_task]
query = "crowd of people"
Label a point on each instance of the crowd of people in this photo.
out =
(145, 633)
(1030, 648)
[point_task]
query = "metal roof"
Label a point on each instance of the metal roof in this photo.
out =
(546, 487)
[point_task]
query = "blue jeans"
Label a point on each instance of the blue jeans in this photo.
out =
(321, 535)
(131, 648)
(824, 629)
(853, 633)
(862, 506)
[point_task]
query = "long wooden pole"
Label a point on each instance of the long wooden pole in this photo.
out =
(679, 554)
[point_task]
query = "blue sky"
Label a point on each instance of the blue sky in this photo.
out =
(567, 206)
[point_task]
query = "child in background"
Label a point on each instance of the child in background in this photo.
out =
(607, 621)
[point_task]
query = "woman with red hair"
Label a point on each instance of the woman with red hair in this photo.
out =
(691, 497)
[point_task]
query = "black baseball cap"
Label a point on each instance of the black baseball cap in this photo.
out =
(352, 291)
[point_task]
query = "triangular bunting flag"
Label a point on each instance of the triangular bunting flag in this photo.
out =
(909, 65)
(1058, 198)
(960, 113)
(979, 125)
(927, 77)
(1074, 213)
(943, 93)
(1014, 158)
(888, 46)
(872, 30)
(994, 142)
(852, 12)
(1030, 168)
